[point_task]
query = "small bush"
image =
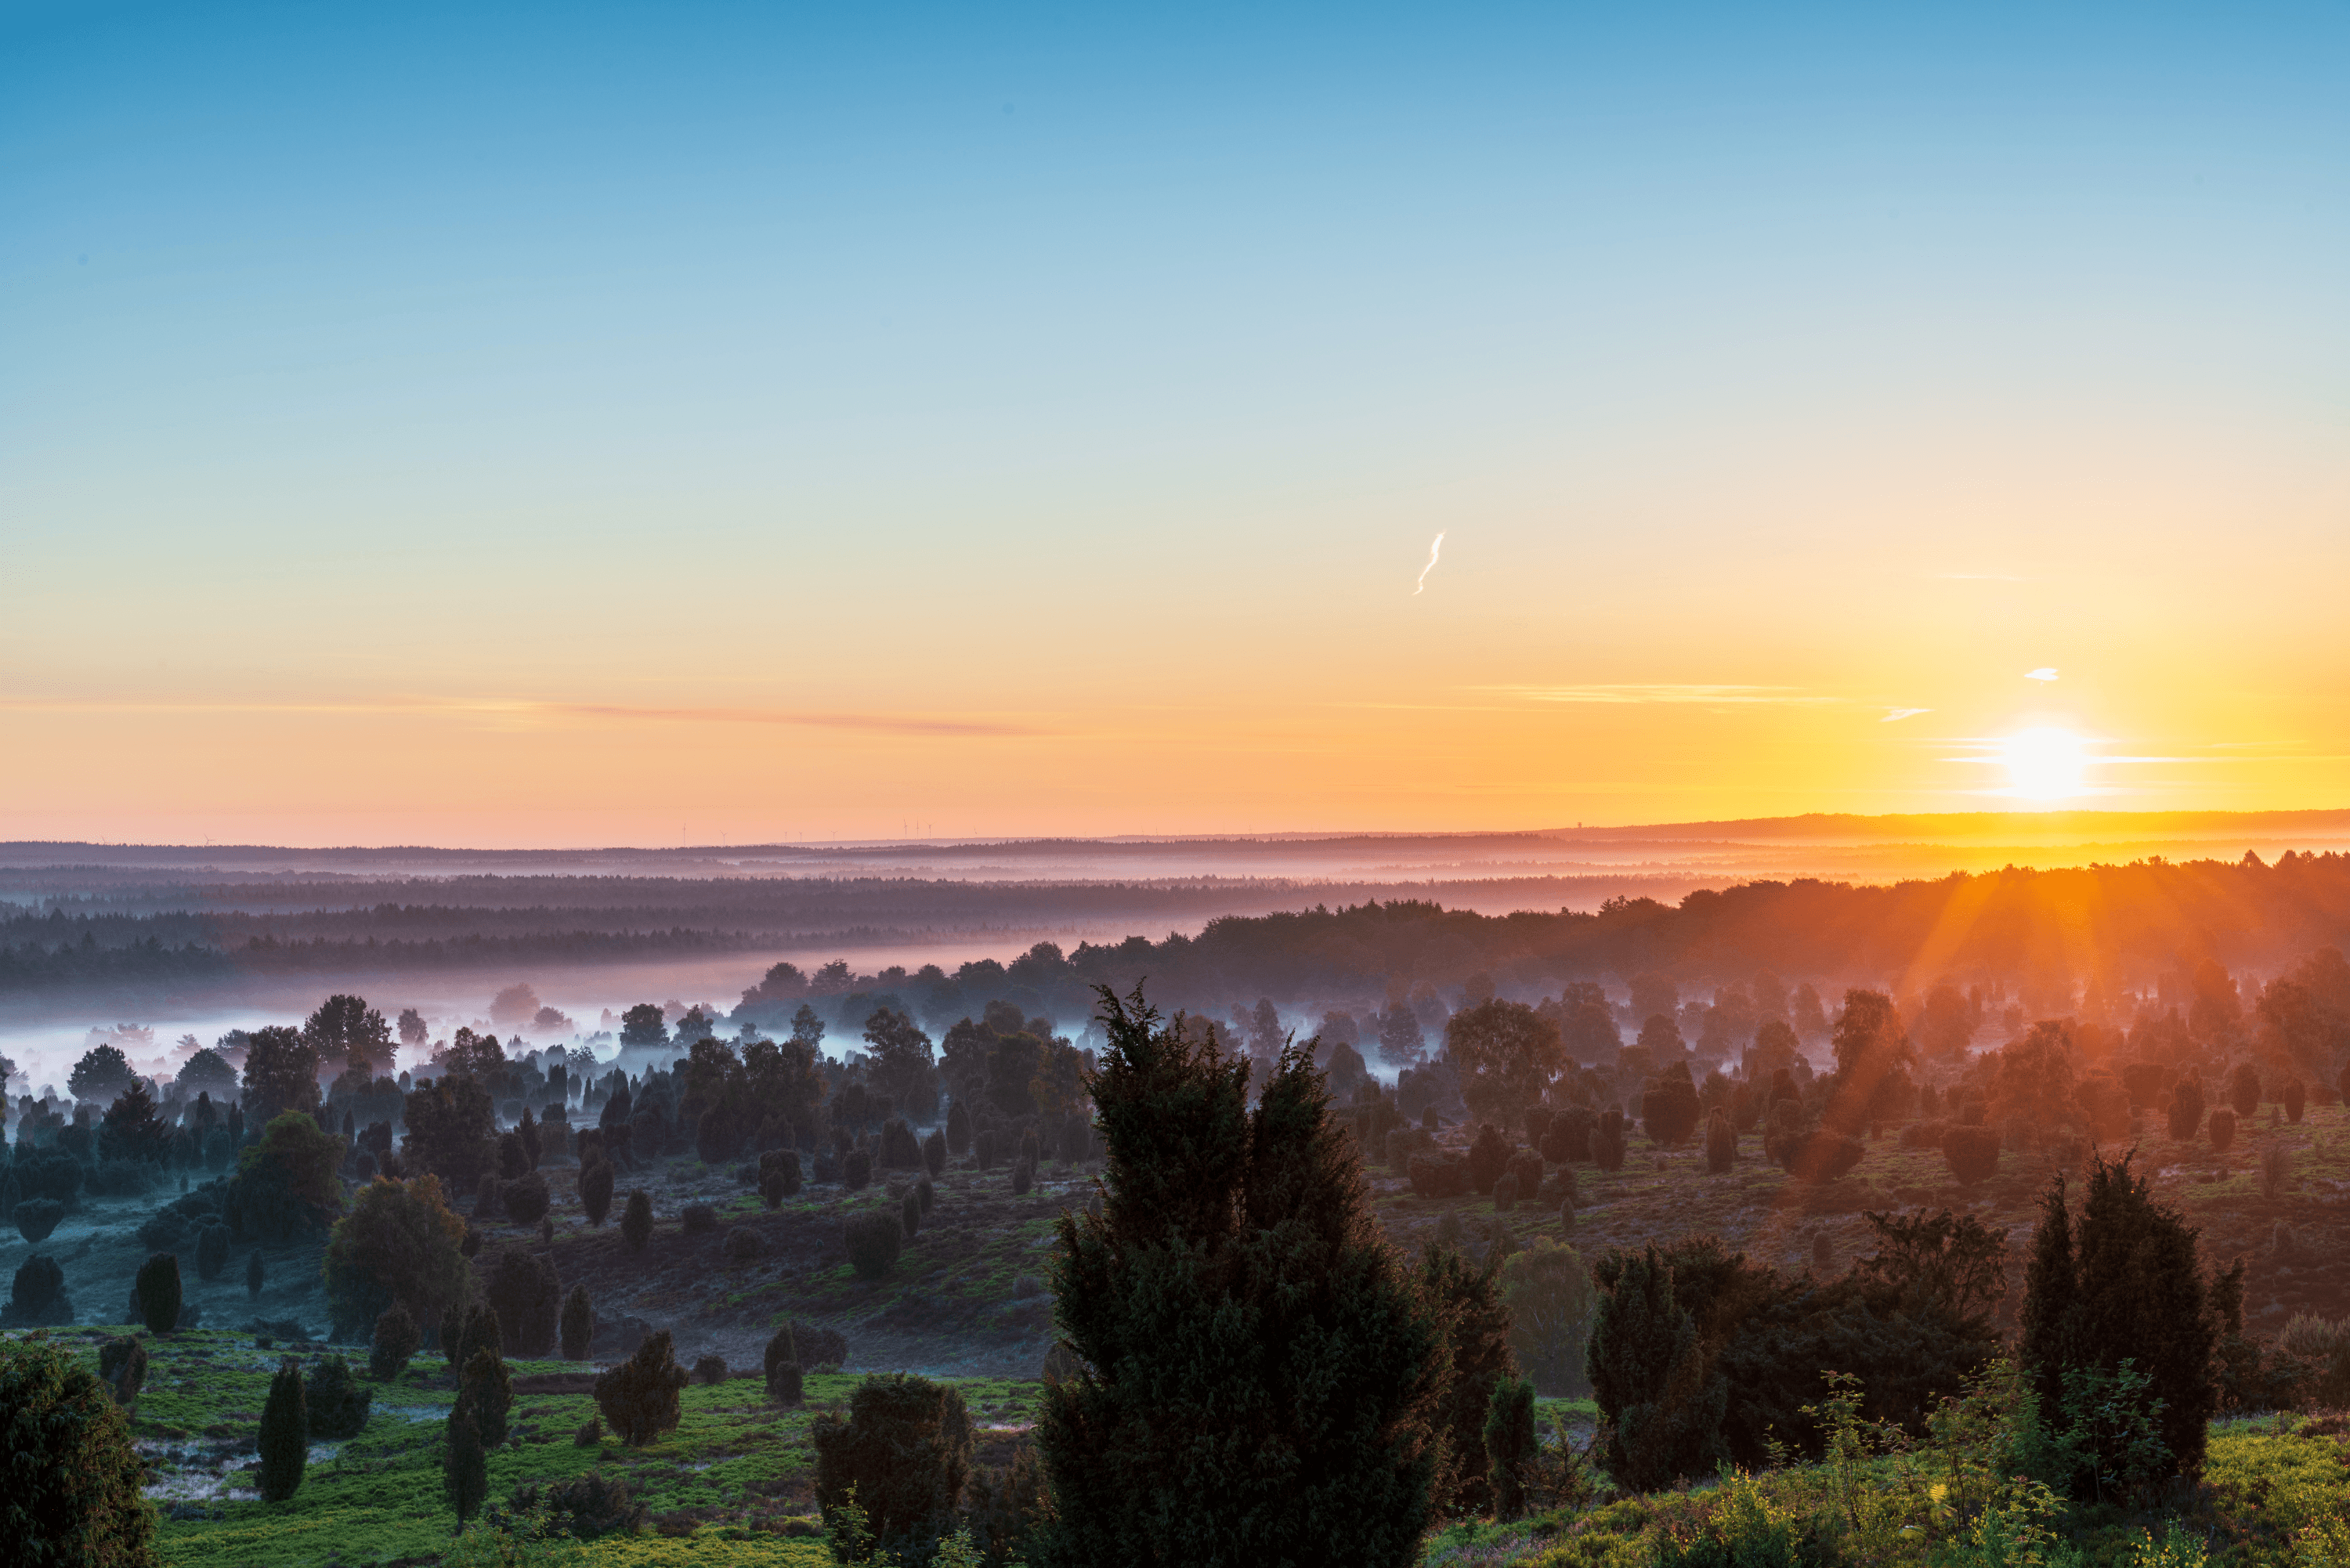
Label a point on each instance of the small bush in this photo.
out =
(595, 1506)
(122, 1367)
(158, 1289)
(958, 1130)
(934, 1152)
(2223, 1130)
(709, 1370)
(337, 1402)
(1607, 1141)
(578, 1329)
(1505, 1192)
(926, 1195)
(1973, 1153)
(874, 1243)
(1024, 1177)
(596, 1191)
(590, 1434)
(783, 1351)
(528, 1298)
(636, 1221)
(906, 1451)
(211, 1251)
(1720, 1141)
(910, 1214)
(742, 1244)
(394, 1343)
(1822, 1155)
(699, 1219)
(37, 1217)
(2296, 1100)
(1511, 1446)
(1438, 1175)
(1489, 1157)
(39, 1283)
(2276, 1171)
(285, 1434)
(857, 1170)
(525, 1199)
(639, 1397)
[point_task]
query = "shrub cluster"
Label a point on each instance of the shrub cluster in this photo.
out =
(639, 1398)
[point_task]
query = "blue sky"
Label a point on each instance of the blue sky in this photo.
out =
(445, 357)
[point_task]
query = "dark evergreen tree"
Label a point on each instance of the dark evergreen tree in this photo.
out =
(783, 1366)
(958, 1130)
(211, 1251)
(1511, 1445)
(636, 1221)
(596, 1191)
(335, 1401)
(157, 1291)
(74, 1486)
(1256, 1375)
(285, 1434)
(1465, 1296)
(486, 1393)
(465, 1466)
(523, 1291)
(2119, 1281)
(1661, 1408)
(394, 1343)
(578, 1326)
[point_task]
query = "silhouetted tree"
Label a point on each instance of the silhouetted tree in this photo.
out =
(284, 1439)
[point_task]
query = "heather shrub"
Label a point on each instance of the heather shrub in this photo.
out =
(699, 1219)
(394, 1343)
(709, 1370)
(742, 1245)
(857, 1170)
(2323, 1347)
(596, 1191)
(639, 1398)
(2186, 1112)
(1569, 1137)
(37, 1217)
(577, 1329)
(874, 1243)
(906, 1452)
(465, 1466)
(524, 1292)
(74, 1491)
(899, 1151)
(337, 1402)
(1024, 1177)
(1821, 1155)
(636, 1221)
(783, 1366)
(2244, 1089)
(910, 1214)
(525, 1199)
(284, 1439)
(158, 1289)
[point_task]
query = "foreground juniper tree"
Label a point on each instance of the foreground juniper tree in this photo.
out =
(1258, 1373)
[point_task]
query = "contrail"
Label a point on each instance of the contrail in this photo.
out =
(1434, 546)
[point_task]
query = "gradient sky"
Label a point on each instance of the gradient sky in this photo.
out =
(595, 423)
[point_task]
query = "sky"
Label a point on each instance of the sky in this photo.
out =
(599, 423)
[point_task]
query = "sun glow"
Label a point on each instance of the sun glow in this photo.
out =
(2045, 764)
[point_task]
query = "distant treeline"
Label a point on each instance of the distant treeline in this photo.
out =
(2122, 926)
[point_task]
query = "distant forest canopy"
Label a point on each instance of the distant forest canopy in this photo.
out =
(2045, 934)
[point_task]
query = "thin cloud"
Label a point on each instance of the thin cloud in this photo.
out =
(1979, 577)
(2045, 672)
(1435, 547)
(868, 723)
(1664, 692)
(1895, 716)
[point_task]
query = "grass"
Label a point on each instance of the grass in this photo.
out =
(736, 1468)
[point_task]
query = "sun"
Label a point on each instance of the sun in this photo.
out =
(2045, 764)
